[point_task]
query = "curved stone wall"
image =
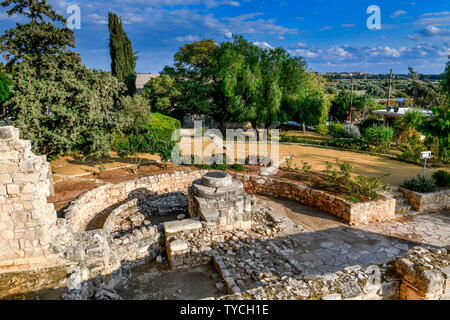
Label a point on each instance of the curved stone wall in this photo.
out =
(108, 197)
(353, 213)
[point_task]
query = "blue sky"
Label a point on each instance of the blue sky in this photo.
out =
(331, 34)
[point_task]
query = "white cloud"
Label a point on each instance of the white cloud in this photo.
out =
(263, 45)
(189, 38)
(398, 13)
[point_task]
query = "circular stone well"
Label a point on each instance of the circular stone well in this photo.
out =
(218, 199)
(217, 179)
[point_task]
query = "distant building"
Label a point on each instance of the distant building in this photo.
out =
(392, 113)
(142, 79)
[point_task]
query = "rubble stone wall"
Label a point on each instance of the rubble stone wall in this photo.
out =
(429, 202)
(354, 213)
(27, 221)
(110, 196)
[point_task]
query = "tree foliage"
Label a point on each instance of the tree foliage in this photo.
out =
(163, 94)
(38, 38)
(123, 58)
(239, 82)
(56, 102)
(445, 84)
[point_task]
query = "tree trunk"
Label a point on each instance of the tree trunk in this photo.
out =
(304, 128)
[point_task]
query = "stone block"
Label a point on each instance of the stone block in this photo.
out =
(7, 133)
(13, 189)
(333, 296)
(180, 226)
(26, 166)
(178, 245)
(5, 179)
(209, 214)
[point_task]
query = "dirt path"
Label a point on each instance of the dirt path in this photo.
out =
(364, 164)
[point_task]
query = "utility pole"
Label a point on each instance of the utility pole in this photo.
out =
(390, 88)
(351, 97)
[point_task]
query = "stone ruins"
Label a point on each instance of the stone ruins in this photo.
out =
(190, 218)
(219, 199)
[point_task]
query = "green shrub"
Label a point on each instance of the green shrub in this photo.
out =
(368, 123)
(419, 184)
(351, 131)
(442, 178)
(380, 137)
(237, 167)
(412, 150)
(322, 129)
(163, 126)
(144, 143)
(337, 129)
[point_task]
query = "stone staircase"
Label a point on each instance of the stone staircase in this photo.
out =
(402, 207)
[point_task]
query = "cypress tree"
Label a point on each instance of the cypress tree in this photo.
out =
(123, 58)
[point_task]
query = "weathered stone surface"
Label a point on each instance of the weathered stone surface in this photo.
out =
(27, 221)
(178, 245)
(333, 296)
(217, 179)
(180, 226)
(351, 290)
(218, 199)
(429, 202)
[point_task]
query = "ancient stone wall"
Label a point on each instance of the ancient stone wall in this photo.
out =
(27, 221)
(425, 274)
(110, 196)
(428, 202)
(354, 213)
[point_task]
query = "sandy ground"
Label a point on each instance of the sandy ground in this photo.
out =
(364, 164)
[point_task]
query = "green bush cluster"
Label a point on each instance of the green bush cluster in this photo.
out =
(442, 178)
(144, 143)
(322, 129)
(353, 144)
(420, 184)
(163, 126)
(411, 151)
(338, 179)
(380, 137)
(337, 129)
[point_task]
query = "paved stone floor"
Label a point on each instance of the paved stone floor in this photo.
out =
(327, 245)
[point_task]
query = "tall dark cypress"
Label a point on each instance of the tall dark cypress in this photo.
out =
(123, 58)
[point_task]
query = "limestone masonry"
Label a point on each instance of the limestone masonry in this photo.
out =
(27, 221)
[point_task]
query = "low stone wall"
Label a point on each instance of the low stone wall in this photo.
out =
(110, 196)
(428, 202)
(143, 243)
(354, 213)
(27, 221)
(425, 274)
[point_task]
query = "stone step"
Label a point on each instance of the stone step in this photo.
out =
(394, 189)
(401, 201)
(397, 195)
(410, 213)
(404, 208)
